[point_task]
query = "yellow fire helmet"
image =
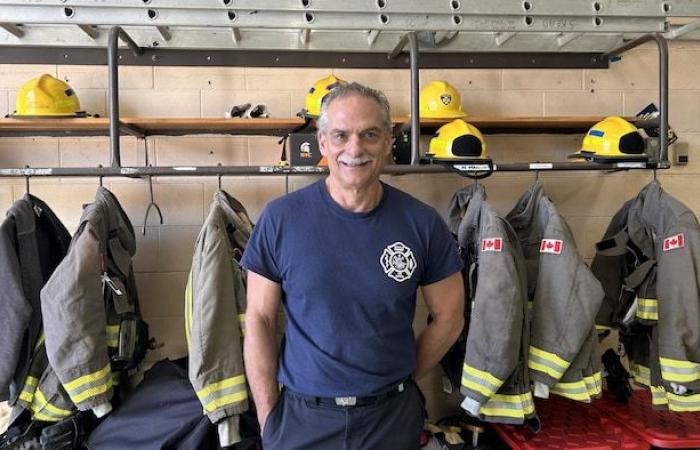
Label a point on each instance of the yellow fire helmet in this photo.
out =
(318, 92)
(47, 96)
(457, 141)
(440, 100)
(612, 138)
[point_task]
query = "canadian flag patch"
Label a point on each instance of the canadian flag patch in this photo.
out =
(551, 246)
(673, 242)
(492, 244)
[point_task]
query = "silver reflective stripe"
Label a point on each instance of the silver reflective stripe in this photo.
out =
(346, 401)
(480, 381)
(544, 362)
(222, 393)
(571, 390)
(680, 370)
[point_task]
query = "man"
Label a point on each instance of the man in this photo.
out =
(346, 256)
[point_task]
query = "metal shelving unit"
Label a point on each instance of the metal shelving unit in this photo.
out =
(368, 33)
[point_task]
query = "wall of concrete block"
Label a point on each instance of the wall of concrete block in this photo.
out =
(587, 199)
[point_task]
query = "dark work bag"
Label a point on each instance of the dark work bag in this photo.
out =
(163, 412)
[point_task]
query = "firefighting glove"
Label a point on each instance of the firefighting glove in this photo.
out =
(69, 433)
(617, 377)
(239, 110)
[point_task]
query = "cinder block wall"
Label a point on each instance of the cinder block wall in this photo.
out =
(587, 199)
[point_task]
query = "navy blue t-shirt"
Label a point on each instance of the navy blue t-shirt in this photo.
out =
(349, 284)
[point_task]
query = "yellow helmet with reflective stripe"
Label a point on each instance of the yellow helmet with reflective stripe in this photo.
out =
(316, 94)
(46, 96)
(612, 138)
(440, 100)
(457, 140)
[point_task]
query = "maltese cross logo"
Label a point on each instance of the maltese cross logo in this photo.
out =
(398, 261)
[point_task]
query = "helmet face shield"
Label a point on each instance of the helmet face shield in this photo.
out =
(457, 141)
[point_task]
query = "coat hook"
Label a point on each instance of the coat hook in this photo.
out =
(219, 176)
(153, 204)
(26, 179)
(99, 166)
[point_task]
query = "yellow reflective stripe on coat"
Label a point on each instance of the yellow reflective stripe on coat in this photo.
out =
(546, 362)
(28, 389)
(674, 370)
(576, 390)
(641, 374)
(594, 383)
(600, 328)
(241, 321)
(112, 336)
(188, 308)
(222, 393)
(42, 403)
(647, 308)
(658, 396)
(509, 405)
(480, 381)
(90, 385)
(39, 341)
(683, 403)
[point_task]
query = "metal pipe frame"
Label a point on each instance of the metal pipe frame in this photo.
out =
(392, 169)
(412, 40)
(113, 68)
(663, 84)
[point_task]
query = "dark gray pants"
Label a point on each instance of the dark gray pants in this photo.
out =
(309, 423)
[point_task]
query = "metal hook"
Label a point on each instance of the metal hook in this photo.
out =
(537, 175)
(153, 204)
(654, 172)
(219, 176)
(26, 179)
(99, 166)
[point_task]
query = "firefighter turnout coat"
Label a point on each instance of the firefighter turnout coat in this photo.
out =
(33, 241)
(494, 376)
(90, 307)
(214, 315)
(565, 295)
(649, 262)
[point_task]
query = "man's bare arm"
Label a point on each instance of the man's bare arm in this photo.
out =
(445, 302)
(260, 349)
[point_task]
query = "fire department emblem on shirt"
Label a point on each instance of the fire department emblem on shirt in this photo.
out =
(398, 261)
(446, 99)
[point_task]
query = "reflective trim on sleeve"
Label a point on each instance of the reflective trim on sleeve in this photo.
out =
(41, 406)
(39, 341)
(576, 390)
(647, 308)
(641, 374)
(594, 383)
(223, 393)
(480, 381)
(27, 394)
(683, 403)
(512, 406)
(91, 385)
(112, 336)
(658, 396)
(546, 362)
(602, 328)
(677, 371)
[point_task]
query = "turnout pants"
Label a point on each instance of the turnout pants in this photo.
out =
(391, 421)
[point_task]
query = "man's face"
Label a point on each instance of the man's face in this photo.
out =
(355, 142)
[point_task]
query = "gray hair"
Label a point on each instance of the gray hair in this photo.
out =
(349, 89)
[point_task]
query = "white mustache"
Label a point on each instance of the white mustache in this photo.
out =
(355, 161)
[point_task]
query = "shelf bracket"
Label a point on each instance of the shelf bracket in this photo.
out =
(411, 39)
(115, 33)
(681, 31)
(502, 38)
(90, 30)
(165, 33)
(236, 35)
(565, 38)
(372, 36)
(14, 30)
(663, 83)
